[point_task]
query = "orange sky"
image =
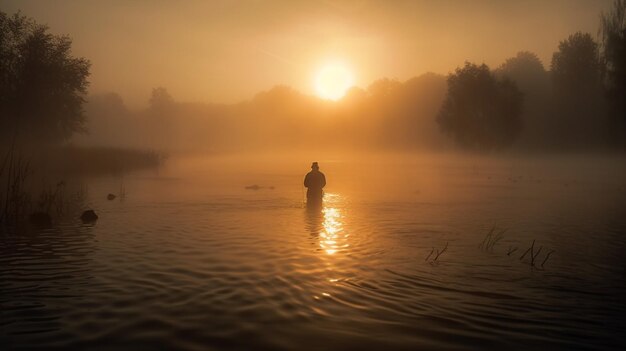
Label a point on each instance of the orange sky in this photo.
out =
(226, 51)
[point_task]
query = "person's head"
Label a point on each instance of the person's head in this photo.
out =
(315, 166)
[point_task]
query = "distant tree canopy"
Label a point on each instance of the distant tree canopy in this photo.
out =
(613, 30)
(161, 101)
(42, 86)
(526, 70)
(480, 111)
(576, 65)
(580, 115)
(529, 74)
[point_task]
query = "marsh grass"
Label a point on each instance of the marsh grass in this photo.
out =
(122, 190)
(511, 250)
(53, 199)
(492, 238)
(14, 198)
(436, 253)
(495, 235)
(533, 255)
(547, 257)
(20, 199)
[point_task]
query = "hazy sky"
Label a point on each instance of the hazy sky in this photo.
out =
(226, 51)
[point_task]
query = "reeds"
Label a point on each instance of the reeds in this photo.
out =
(122, 190)
(533, 255)
(492, 238)
(437, 253)
(53, 199)
(17, 193)
(14, 200)
(511, 250)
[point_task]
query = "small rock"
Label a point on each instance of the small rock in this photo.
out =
(253, 187)
(41, 219)
(111, 197)
(89, 216)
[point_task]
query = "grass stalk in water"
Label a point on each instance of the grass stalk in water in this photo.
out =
(437, 253)
(492, 239)
(15, 200)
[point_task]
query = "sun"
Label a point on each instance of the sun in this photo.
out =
(332, 81)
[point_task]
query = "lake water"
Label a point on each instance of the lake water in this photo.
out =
(190, 259)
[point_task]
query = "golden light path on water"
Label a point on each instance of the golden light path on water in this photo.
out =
(333, 238)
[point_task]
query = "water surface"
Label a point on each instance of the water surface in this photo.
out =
(190, 259)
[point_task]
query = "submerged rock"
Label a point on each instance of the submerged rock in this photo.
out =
(111, 197)
(89, 216)
(40, 219)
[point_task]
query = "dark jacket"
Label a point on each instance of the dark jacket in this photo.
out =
(314, 181)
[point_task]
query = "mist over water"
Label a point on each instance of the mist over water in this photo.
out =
(191, 259)
(336, 175)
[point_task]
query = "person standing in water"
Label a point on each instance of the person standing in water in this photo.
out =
(314, 181)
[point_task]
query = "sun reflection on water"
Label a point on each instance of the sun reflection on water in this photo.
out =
(333, 239)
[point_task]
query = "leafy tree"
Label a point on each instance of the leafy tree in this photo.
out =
(480, 111)
(161, 101)
(527, 71)
(576, 66)
(529, 74)
(162, 116)
(42, 86)
(613, 31)
(383, 87)
(577, 81)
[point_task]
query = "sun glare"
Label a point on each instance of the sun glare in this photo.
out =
(332, 81)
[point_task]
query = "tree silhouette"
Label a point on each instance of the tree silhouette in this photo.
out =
(42, 86)
(529, 74)
(480, 111)
(577, 81)
(162, 112)
(613, 30)
(576, 66)
(161, 102)
(526, 70)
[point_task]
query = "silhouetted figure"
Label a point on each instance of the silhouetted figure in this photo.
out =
(314, 182)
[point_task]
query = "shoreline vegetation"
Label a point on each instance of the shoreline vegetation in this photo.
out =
(37, 185)
(96, 160)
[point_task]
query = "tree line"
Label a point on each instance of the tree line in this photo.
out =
(577, 103)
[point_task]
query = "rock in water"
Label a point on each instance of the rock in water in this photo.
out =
(111, 197)
(41, 219)
(89, 216)
(253, 187)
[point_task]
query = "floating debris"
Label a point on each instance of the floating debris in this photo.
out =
(258, 187)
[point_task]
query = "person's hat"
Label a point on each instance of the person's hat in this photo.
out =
(314, 165)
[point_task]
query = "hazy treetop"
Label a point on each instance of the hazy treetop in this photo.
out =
(227, 51)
